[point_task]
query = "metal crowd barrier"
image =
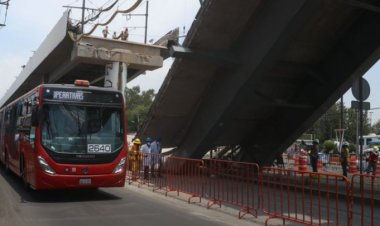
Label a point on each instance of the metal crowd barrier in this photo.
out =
(305, 197)
(147, 169)
(288, 194)
(365, 198)
(185, 175)
(233, 183)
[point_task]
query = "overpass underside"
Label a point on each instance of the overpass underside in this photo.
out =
(259, 73)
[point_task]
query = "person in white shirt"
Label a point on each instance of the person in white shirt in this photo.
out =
(156, 157)
(146, 156)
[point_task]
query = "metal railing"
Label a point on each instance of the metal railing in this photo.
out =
(233, 183)
(305, 197)
(294, 195)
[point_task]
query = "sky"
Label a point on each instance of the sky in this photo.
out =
(29, 22)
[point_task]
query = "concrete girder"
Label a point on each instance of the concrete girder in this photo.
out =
(90, 54)
(265, 34)
(91, 51)
(349, 60)
(286, 77)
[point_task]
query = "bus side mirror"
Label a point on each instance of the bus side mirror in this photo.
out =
(35, 116)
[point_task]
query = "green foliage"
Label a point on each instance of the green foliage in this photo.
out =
(138, 104)
(352, 148)
(376, 127)
(324, 127)
(329, 146)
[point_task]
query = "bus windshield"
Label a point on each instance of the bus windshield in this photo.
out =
(75, 129)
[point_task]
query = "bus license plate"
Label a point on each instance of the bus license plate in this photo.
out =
(85, 181)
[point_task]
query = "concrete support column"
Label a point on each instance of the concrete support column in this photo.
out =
(116, 76)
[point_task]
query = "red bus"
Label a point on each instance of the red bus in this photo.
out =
(65, 136)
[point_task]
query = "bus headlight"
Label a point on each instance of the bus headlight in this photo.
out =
(45, 166)
(119, 168)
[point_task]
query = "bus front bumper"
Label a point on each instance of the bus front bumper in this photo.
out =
(56, 181)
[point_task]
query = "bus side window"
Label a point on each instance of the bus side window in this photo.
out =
(13, 119)
(35, 116)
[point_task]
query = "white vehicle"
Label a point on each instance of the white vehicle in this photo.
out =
(370, 139)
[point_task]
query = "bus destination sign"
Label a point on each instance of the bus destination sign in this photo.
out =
(68, 95)
(79, 95)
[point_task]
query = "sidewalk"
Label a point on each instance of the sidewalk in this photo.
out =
(225, 214)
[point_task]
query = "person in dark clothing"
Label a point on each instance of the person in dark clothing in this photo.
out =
(344, 158)
(280, 161)
(372, 161)
(314, 155)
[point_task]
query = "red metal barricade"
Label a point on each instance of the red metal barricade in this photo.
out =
(147, 169)
(298, 196)
(233, 183)
(184, 175)
(157, 178)
(365, 197)
(305, 197)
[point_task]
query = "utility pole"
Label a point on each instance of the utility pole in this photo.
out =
(146, 21)
(83, 8)
(128, 16)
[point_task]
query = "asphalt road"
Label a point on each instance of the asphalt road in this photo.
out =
(111, 207)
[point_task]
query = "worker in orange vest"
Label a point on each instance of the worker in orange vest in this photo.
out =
(135, 157)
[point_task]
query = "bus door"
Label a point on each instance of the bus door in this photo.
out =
(11, 137)
(25, 141)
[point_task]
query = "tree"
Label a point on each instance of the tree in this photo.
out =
(329, 146)
(376, 127)
(138, 104)
(324, 127)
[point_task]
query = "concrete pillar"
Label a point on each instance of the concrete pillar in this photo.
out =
(116, 76)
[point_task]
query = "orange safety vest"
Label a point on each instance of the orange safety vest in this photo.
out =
(134, 153)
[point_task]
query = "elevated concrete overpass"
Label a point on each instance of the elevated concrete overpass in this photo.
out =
(64, 57)
(259, 73)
